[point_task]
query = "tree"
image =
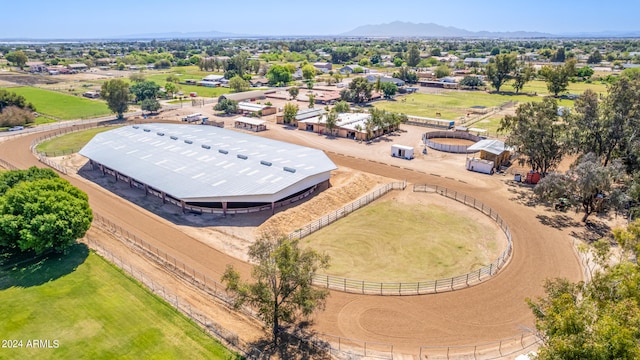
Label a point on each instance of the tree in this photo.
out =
(145, 90)
(309, 73)
(337, 76)
(499, 69)
(279, 75)
(442, 71)
(238, 84)
(584, 72)
(557, 77)
(18, 58)
(594, 320)
(406, 74)
(150, 105)
(588, 184)
(171, 88)
(226, 105)
(522, 74)
(8, 98)
(472, 81)
(359, 90)
(14, 116)
(595, 58)
(282, 291)
(42, 213)
(559, 55)
(116, 93)
(342, 107)
(331, 120)
(413, 56)
(289, 113)
(294, 91)
(173, 79)
(537, 134)
(389, 89)
(136, 78)
(312, 100)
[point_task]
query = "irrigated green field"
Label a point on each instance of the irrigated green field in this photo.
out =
(452, 104)
(62, 106)
(388, 241)
(93, 311)
(69, 143)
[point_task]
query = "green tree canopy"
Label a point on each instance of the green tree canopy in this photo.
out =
(282, 290)
(595, 320)
(290, 111)
(40, 211)
(8, 98)
(279, 75)
(228, 106)
(18, 58)
(389, 89)
(359, 91)
(500, 68)
(413, 55)
(557, 77)
(522, 74)
(116, 93)
(595, 57)
(150, 105)
(537, 134)
(238, 84)
(294, 91)
(588, 184)
(145, 90)
(472, 82)
(342, 107)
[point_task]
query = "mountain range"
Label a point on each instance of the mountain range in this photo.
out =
(431, 30)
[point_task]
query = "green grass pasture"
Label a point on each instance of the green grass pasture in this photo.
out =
(388, 241)
(62, 106)
(92, 310)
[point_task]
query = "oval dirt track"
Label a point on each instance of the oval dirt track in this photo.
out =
(483, 313)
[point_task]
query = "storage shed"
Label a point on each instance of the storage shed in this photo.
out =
(494, 151)
(402, 151)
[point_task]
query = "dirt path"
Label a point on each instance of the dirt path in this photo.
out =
(493, 310)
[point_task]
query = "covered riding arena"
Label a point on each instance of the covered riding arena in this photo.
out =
(209, 169)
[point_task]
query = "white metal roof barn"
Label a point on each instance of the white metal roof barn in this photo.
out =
(207, 164)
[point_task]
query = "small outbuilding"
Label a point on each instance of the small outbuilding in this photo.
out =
(251, 124)
(402, 151)
(494, 151)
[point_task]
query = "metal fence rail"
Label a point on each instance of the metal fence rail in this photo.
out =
(346, 210)
(427, 286)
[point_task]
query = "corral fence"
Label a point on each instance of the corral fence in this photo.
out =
(199, 280)
(427, 286)
(346, 210)
(490, 350)
(456, 149)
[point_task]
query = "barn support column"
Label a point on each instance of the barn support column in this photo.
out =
(224, 208)
(102, 169)
(130, 184)
(182, 204)
(91, 164)
(146, 189)
(273, 207)
(164, 197)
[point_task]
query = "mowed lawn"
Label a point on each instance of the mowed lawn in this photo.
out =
(62, 106)
(453, 104)
(94, 311)
(69, 143)
(391, 242)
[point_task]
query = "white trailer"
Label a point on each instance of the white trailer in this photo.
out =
(192, 118)
(401, 151)
(480, 165)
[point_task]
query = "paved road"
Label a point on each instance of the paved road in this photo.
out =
(493, 310)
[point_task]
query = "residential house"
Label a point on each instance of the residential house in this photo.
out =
(77, 67)
(325, 67)
(385, 79)
(349, 69)
(480, 61)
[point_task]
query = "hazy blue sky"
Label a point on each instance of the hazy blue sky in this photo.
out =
(94, 19)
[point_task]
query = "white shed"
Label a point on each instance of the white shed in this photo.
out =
(401, 151)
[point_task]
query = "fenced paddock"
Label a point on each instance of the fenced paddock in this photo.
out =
(456, 149)
(421, 287)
